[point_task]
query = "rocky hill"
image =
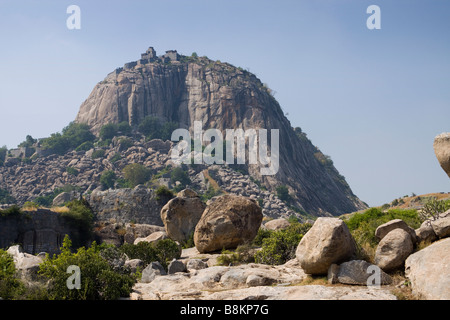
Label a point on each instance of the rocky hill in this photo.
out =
(180, 89)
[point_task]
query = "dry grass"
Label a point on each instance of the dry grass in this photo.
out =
(60, 209)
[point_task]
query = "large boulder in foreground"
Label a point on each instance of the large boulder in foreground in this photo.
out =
(442, 150)
(181, 214)
(328, 241)
(429, 271)
(227, 222)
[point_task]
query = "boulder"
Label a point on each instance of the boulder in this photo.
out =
(360, 272)
(64, 197)
(154, 237)
(176, 266)
(26, 264)
(277, 224)
(426, 233)
(328, 241)
(385, 228)
(441, 227)
(153, 270)
(442, 151)
(134, 264)
(429, 271)
(227, 222)
(393, 249)
(181, 214)
(196, 264)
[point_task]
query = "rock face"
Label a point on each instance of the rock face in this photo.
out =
(37, 231)
(181, 214)
(124, 205)
(222, 97)
(328, 241)
(227, 222)
(429, 271)
(442, 150)
(393, 250)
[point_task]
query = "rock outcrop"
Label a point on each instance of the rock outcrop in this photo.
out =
(227, 222)
(222, 97)
(328, 241)
(442, 150)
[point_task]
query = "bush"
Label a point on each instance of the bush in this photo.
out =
(10, 286)
(79, 216)
(98, 279)
(163, 192)
(136, 174)
(433, 208)
(108, 179)
(362, 226)
(163, 251)
(108, 131)
(243, 254)
(178, 174)
(72, 137)
(280, 246)
(5, 197)
(283, 193)
(99, 153)
(85, 146)
(72, 171)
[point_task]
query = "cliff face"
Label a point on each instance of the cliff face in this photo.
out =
(221, 96)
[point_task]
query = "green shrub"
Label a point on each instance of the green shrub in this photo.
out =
(108, 179)
(162, 192)
(433, 208)
(99, 153)
(163, 251)
(280, 246)
(13, 211)
(85, 146)
(108, 131)
(283, 193)
(244, 253)
(363, 225)
(136, 174)
(80, 216)
(72, 171)
(98, 279)
(10, 286)
(5, 197)
(73, 136)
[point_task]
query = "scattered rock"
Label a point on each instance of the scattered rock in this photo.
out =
(196, 264)
(429, 271)
(181, 214)
(134, 264)
(328, 241)
(360, 272)
(227, 222)
(393, 250)
(277, 224)
(441, 227)
(426, 233)
(176, 266)
(154, 237)
(153, 270)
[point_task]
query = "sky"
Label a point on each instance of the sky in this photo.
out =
(372, 99)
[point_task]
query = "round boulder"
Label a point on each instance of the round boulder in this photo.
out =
(328, 241)
(442, 151)
(227, 222)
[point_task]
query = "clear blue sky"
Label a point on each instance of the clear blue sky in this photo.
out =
(371, 99)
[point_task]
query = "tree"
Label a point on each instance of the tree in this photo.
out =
(136, 174)
(29, 142)
(150, 127)
(283, 193)
(108, 179)
(108, 131)
(98, 279)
